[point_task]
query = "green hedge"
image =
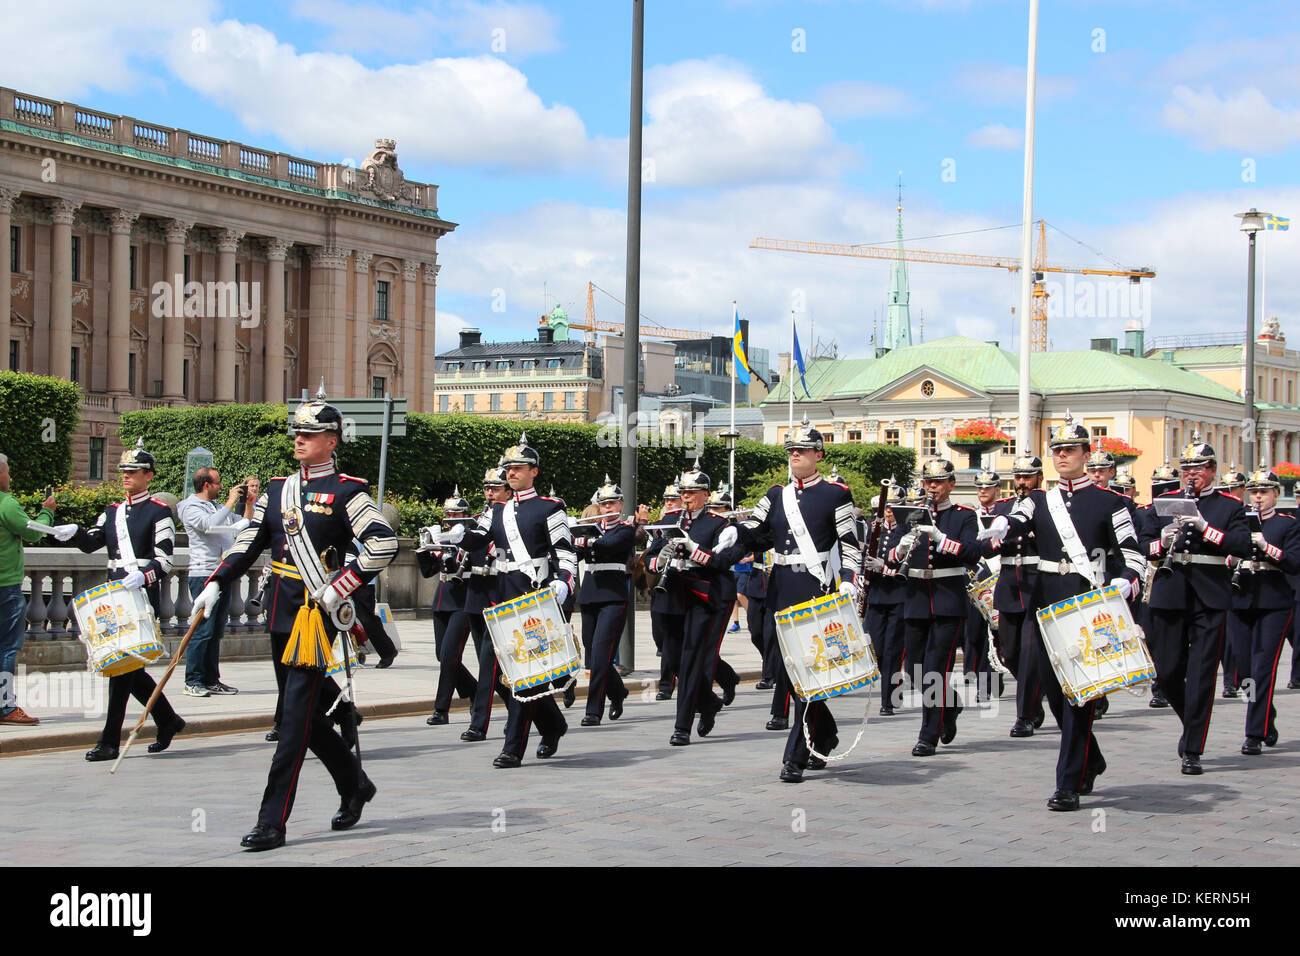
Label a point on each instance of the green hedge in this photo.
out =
(864, 493)
(874, 463)
(38, 415)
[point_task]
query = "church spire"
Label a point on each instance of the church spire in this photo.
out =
(898, 325)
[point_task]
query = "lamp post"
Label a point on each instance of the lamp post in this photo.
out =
(1251, 223)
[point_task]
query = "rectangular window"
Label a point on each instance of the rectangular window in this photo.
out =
(521, 402)
(15, 235)
(891, 436)
(1274, 398)
(76, 258)
(528, 363)
(13, 355)
(96, 459)
(236, 273)
(187, 267)
(555, 363)
(480, 366)
(1098, 432)
(503, 366)
(133, 283)
(381, 301)
(1290, 391)
(75, 372)
(378, 386)
(570, 401)
(855, 436)
(1010, 447)
(469, 403)
(442, 404)
(548, 401)
(185, 378)
(929, 441)
(496, 401)
(453, 366)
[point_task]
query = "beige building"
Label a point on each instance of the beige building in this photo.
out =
(157, 267)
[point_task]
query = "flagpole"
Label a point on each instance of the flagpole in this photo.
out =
(731, 455)
(1263, 280)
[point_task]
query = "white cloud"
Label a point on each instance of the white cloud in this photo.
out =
(993, 82)
(1244, 120)
(512, 30)
(853, 99)
(461, 111)
(710, 123)
(996, 136)
(63, 50)
(447, 326)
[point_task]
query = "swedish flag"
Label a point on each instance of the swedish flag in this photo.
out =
(738, 352)
(1280, 223)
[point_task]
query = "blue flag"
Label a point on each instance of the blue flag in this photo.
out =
(738, 353)
(798, 361)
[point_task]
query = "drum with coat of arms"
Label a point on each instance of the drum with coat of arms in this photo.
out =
(118, 628)
(534, 643)
(1094, 645)
(825, 649)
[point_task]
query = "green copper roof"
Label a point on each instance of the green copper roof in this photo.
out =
(985, 367)
(1208, 355)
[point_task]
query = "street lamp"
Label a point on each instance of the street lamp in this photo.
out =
(1251, 223)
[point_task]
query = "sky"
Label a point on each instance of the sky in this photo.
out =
(1156, 122)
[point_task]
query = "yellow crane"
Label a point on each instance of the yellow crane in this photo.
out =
(1038, 316)
(653, 330)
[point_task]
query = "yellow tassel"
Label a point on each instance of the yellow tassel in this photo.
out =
(308, 645)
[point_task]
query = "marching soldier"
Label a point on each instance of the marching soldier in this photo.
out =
(1013, 599)
(1085, 537)
(1236, 644)
(1191, 594)
(140, 537)
(976, 637)
(724, 675)
(935, 558)
(309, 521)
(886, 591)
(534, 549)
(756, 616)
(694, 565)
(603, 598)
(1264, 603)
(666, 610)
(451, 619)
(806, 521)
(1164, 478)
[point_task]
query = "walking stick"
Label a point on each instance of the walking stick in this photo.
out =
(344, 637)
(153, 698)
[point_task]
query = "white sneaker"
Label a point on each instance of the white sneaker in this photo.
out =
(197, 690)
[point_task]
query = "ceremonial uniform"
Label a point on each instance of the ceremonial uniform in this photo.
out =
(667, 615)
(825, 510)
(309, 522)
(451, 625)
(886, 592)
(145, 550)
(978, 633)
(934, 611)
(1110, 550)
(602, 600)
(756, 616)
(1017, 636)
(1190, 597)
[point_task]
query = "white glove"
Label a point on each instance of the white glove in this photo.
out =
(873, 564)
(906, 541)
(452, 536)
(133, 581)
(997, 530)
(847, 587)
(934, 533)
(1125, 587)
(1257, 539)
(63, 532)
(206, 601)
(1167, 534)
(1198, 522)
(561, 591)
(728, 537)
(329, 598)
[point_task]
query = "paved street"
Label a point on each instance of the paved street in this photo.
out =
(618, 794)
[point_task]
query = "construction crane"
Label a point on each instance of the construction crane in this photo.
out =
(591, 324)
(1038, 316)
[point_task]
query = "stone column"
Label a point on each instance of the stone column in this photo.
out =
(326, 344)
(8, 196)
(361, 329)
(424, 400)
(119, 299)
(62, 212)
(177, 231)
(224, 378)
(409, 373)
(276, 250)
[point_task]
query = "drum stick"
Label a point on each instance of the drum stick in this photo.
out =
(153, 698)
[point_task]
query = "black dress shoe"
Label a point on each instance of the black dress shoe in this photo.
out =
(764, 684)
(1100, 708)
(1293, 684)
(1039, 718)
(1253, 747)
(165, 735)
(886, 711)
(505, 760)
(922, 749)
(1270, 739)
(386, 662)
(616, 708)
(589, 721)
(1229, 691)
(949, 724)
(273, 734)
(100, 752)
(473, 736)
(778, 723)
(550, 745)
(706, 724)
(791, 773)
(679, 739)
(1022, 728)
(570, 694)
(1158, 700)
(1095, 770)
(1192, 765)
(664, 695)
(1063, 800)
(361, 657)
(816, 763)
(350, 810)
(729, 694)
(437, 718)
(262, 837)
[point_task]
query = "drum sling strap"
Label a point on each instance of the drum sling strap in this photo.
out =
(126, 558)
(309, 645)
(1070, 541)
(812, 559)
(519, 550)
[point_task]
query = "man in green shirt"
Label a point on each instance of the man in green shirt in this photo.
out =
(13, 606)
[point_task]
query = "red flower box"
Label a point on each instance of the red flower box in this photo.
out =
(977, 433)
(1118, 448)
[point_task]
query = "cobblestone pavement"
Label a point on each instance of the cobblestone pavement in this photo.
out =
(618, 794)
